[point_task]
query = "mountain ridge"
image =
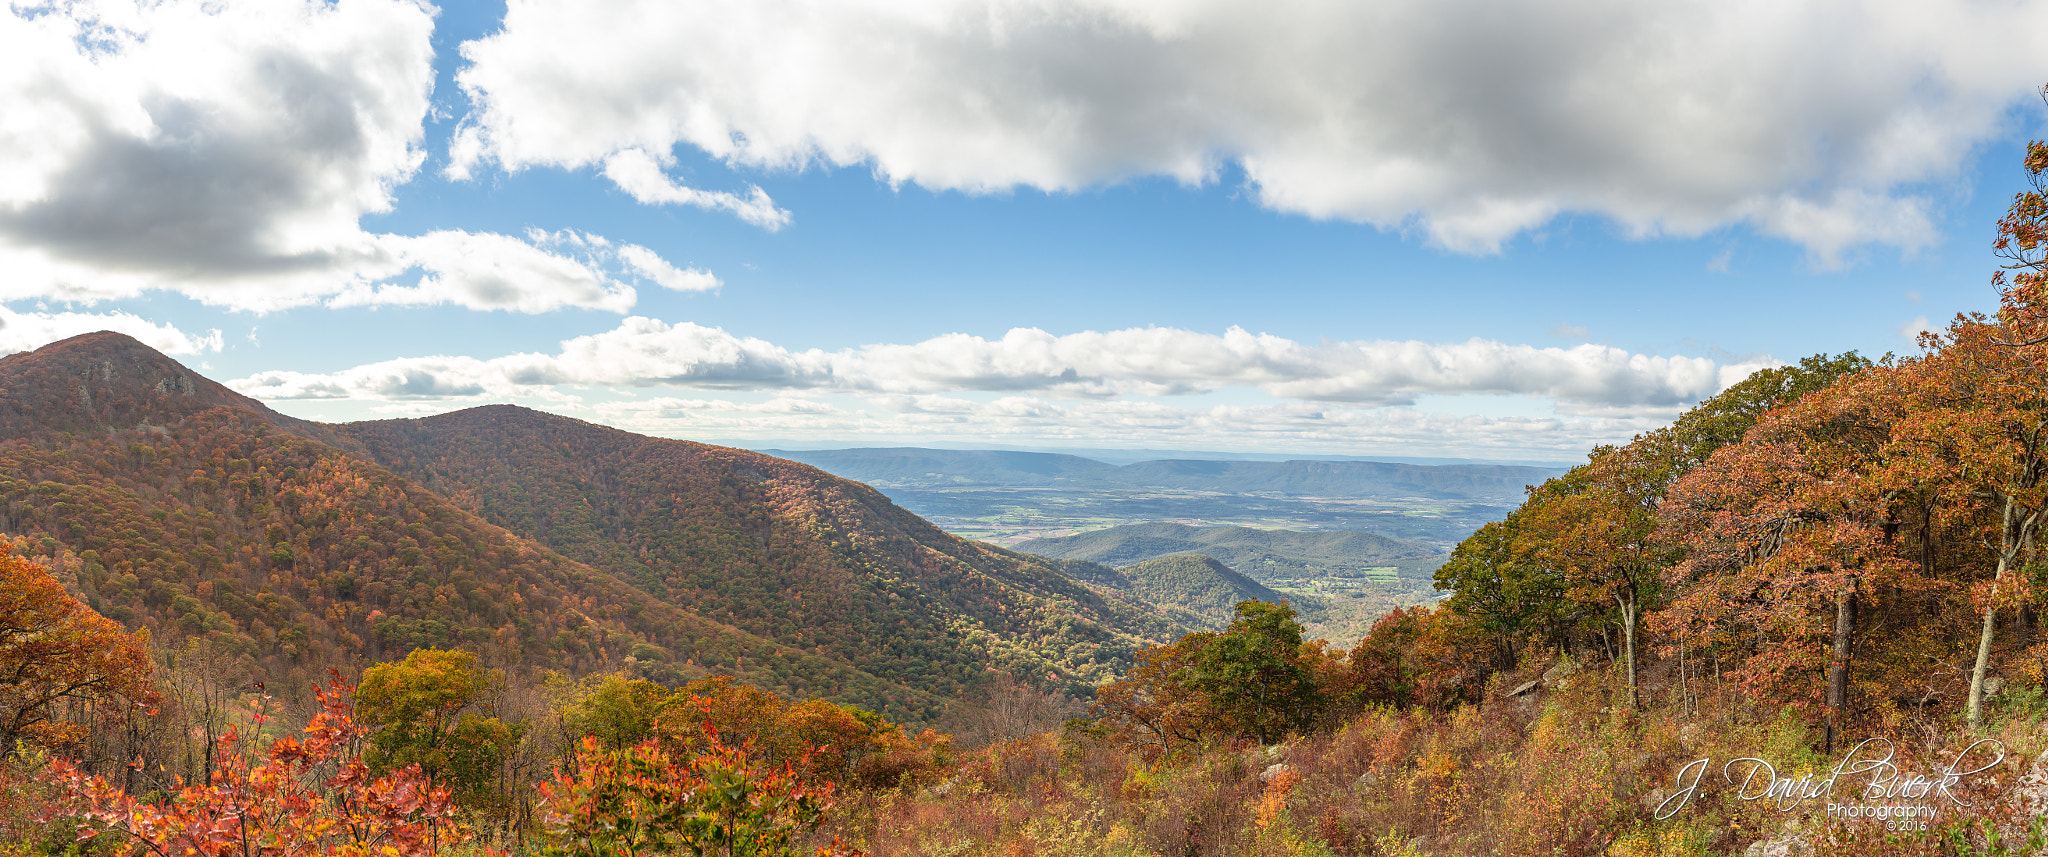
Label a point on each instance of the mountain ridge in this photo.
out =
(1261, 554)
(172, 503)
(915, 467)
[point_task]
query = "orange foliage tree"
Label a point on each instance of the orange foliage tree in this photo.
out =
(56, 652)
(1151, 706)
(1419, 656)
(1792, 533)
(1979, 435)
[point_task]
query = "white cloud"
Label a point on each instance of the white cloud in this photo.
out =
(649, 264)
(27, 331)
(639, 175)
(1024, 419)
(229, 152)
(1912, 329)
(1470, 121)
(1143, 361)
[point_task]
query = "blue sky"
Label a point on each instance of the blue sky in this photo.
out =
(1485, 229)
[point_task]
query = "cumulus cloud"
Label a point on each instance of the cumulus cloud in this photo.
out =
(1470, 121)
(547, 271)
(230, 151)
(640, 352)
(27, 331)
(1144, 361)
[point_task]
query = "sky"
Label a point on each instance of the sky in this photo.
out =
(1497, 229)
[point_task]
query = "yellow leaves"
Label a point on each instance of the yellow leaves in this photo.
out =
(1667, 841)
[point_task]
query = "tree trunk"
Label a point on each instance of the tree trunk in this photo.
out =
(1684, 689)
(1838, 663)
(1976, 708)
(1628, 641)
(2009, 542)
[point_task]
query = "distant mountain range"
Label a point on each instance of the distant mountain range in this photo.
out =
(1264, 555)
(943, 468)
(1134, 455)
(172, 503)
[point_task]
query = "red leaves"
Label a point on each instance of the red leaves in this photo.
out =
(307, 795)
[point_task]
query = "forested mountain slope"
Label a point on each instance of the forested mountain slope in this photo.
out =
(1206, 588)
(174, 504)
(771, 546)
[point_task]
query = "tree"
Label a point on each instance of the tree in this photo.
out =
(425, 713)
(1253, 676)
(1788, 532)
(2008, 358)
(619, 713)
(1508, 593)
(1597, 527)
(1981, 429)
(1256, 679)
(832, 742)
(55, 651)
(1153, 706)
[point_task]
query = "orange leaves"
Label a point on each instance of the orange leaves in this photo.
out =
(55, 650)
(828, 741)
(644, 800)
(307, 796)
(1274, 801)
(1780, 529)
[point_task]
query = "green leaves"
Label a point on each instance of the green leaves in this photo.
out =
(421, 710)
(1252, 680)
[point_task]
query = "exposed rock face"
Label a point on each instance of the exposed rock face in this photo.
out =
(1564, 669)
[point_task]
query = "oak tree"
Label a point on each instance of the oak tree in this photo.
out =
(55, 653)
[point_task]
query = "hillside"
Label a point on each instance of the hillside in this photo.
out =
(176, 505)
(1261, 554)
(1206, 588)
(771, 546)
